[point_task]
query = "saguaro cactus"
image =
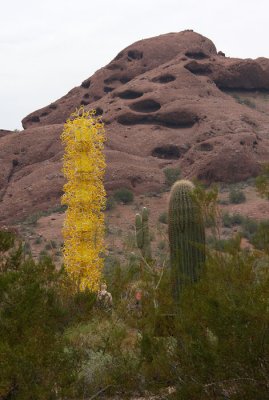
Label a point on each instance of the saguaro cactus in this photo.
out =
(142, 233)
(186, 236)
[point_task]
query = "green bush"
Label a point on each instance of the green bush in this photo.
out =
(171, 175)
(7, 240)
(124, 196)
(110, 203)
(107, 360)
(38, 240)
(35, 359)
(163, 217)
(229, 220)
(223, 346)
(225, 245)
(262, 182)
(237, 196)
(162, 245)
(260, 238)
(249, 228)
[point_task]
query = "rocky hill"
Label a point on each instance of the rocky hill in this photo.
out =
(171, 100)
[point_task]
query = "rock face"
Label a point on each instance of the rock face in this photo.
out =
(171, 101)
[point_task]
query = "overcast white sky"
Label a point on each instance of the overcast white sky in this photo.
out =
(47, 47)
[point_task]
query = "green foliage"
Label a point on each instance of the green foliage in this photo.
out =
(250, 227)
(163, 217)
(7, 240)
(33, 218)
(223, 344)
(225, 245)
(262, 182)
(237, 196)
(110, 203)
(161, 245)
(260, 239)
(108, 357)
(186, 236)
(35, 362)
(229, 220)
(171, 175)
(38, 240)
(124, 196)
(142, 234)
(207, 200)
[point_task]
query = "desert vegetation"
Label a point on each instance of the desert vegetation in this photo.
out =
(189, 317)
(196, 330)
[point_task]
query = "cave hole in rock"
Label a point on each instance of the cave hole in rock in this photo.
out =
(206, 146)
(44, 114)
(130, 94)
(108, 89)
(86, 84)
(121, 79)
(178, 119)
(136, 180)
(146, 106)
(168, 151)
(134, 55)
(198, 69)
(98, 111)
(164, 78)
(197, 55)
(113, 66)
(35, 118)
(124, 79)
(84, 102)
(174, 120)
(86, 96)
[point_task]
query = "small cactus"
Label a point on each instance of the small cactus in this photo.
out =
(186, 236)
(142, 233)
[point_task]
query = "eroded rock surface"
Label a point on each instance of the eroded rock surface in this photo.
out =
(172, 100)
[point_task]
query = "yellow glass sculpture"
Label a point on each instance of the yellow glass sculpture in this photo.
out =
(84, 194)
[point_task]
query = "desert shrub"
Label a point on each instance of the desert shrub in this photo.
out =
(171, 175)
(223, 346)
(110, 357)
(260, 238)
(249, 228)
(229, 220)
(237, 196)
(110, 203)
(124, 196)
(35, 360)
(225, 245)
(7, 240)
(38, 240)
(162, 245)
(163, 217)
(262, 182)
(33, 218)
